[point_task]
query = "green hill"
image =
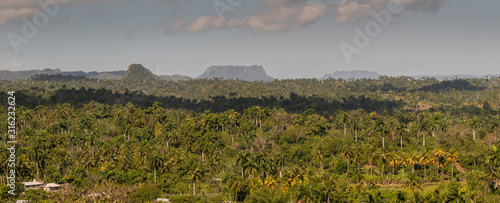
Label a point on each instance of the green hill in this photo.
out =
(137, 73)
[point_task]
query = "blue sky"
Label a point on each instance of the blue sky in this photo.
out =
(290, 38)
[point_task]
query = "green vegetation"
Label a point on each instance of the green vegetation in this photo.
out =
(139, 138)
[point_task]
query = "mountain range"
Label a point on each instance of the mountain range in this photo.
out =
(248, 73)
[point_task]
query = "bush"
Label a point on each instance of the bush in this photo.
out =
(146, 192)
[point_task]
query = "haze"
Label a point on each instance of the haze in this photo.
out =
(289, 38)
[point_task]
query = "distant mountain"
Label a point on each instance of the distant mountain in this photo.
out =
(137, 73)
(249, 73)
(174, 78)
(98, 75)
(356, 74)
(26, 74)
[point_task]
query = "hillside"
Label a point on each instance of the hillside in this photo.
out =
(249, 73)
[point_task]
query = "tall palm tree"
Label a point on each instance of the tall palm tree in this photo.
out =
(319, 157)
(249, 138)
(394, 162)
(474, 124)
(236, 185)
(373, 157)
(401, 130)
(344, 119)
(402, 162)
(242, 160)
(452, 157)
(280, 162)
(383, 158)
(424, 127)
(382, 130)
(357, 157)
(412, 160)
(195, 176)
(424, 160)
(439, 154)
(356, 124)
(155, 161)
(347, 153)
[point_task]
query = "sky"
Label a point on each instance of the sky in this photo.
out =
(289, 38)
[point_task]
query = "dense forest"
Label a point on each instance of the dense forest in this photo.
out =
(394, 139)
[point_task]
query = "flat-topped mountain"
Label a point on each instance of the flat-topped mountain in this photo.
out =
(249, 73)
(356, 74)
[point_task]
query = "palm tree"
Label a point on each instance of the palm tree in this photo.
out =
(402, 162)
(436, 123)
(347, 153)
(196, 175)
(492, 166)
(474, 124)
(318, 156)
(394, 162)
(452, 157)
(439, 155)
(307, 192)
(412, 160)
(456, 194)
(413, 182)
(383, 158)
(424, 127)
(373, 157)
(242, 160)
(249, 138)
(424, 160)
(382, 131)
(357, 157)
(155, 162)
(280, 162)
(356, 125)
(401, 130)
(236, 185)
(344, 119)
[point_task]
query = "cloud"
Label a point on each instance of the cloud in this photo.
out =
(13, 65)
(8, 15)
(353, 10)
(276, 16)
(14, 10)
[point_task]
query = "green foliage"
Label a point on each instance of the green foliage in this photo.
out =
(146, 192)
(286, 140)
(266, 195)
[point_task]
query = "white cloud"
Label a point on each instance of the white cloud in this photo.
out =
(13, 65)
(277, 16)
(354, 10)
